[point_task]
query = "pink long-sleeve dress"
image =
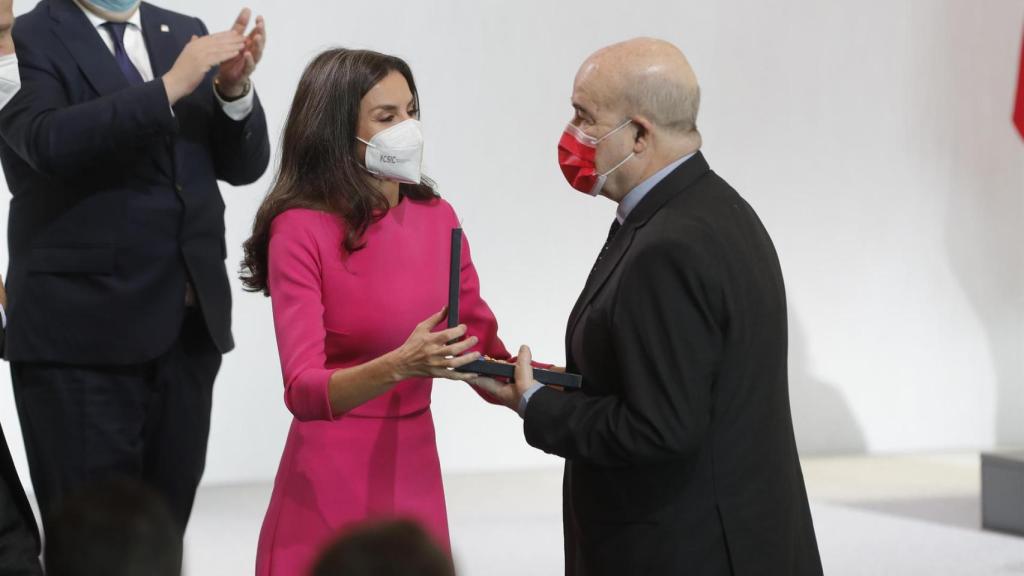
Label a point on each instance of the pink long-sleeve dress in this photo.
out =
(333, 311)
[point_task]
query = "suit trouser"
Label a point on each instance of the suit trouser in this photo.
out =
(149, 421)
(19, 546)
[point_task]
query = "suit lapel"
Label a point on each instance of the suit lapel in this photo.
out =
(160, 43)
(84, 43)
(616, 250)
(673, 184)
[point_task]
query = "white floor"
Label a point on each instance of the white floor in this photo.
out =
(874, 516)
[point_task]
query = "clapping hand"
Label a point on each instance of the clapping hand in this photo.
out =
(233, 77)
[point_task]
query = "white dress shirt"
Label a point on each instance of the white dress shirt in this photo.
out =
(10, 80)
(135, 47)
(10, 83)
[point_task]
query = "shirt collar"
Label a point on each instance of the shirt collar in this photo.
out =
(630, 201)
(97, 22)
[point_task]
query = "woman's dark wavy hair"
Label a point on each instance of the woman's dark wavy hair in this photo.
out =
(319, 166)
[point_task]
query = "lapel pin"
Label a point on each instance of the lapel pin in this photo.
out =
(165, 28)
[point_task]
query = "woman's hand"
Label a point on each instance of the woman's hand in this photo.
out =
(429, 354)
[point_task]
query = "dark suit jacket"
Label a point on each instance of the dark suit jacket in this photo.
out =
(680, 455)
(115, 200)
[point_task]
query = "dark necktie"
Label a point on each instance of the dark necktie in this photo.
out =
(607, 243)
(131, 73)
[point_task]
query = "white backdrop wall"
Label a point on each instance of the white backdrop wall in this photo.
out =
(873, 137)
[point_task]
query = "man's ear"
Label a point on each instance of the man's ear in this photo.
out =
(642, 141)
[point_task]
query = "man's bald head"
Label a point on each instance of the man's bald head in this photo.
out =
(639, 100)
(644, 77)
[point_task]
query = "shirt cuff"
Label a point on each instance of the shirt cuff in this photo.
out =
(240, 109)
(526, 398)
(3, 317)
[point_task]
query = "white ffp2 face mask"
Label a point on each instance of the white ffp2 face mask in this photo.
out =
(396, 153)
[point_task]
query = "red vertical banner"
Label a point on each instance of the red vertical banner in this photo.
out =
(1018, 111)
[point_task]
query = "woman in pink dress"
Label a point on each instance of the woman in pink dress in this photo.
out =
(353, 245)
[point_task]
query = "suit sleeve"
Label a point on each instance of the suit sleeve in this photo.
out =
(60, 139)
(294, 278)
(666, 330)
(241, 148)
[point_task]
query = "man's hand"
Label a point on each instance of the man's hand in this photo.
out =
(509, 394)
(233, 76)
(3, 293)
(198, 57)
(6, 23)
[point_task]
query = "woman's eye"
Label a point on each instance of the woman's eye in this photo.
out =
(386, 119)
(414, 113)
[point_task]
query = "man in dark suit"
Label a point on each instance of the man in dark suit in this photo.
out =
(120, 305)
(680, 455)
(19, 535)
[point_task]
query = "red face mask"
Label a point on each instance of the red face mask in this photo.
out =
(577, 151)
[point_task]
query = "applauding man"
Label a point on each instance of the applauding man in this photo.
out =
(119, 303)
